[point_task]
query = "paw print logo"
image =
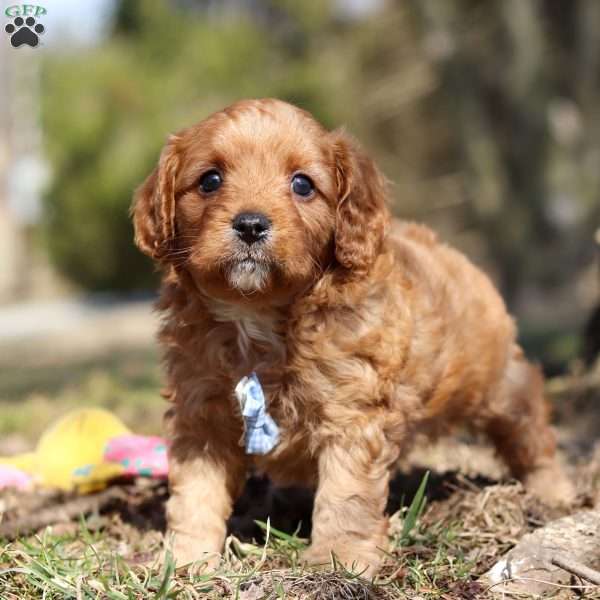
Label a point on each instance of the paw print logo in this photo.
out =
(24, 31)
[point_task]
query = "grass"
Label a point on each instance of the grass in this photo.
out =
(426, 559)
(431, 556)
(438, 548)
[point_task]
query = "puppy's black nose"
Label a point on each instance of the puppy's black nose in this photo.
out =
(251, 227)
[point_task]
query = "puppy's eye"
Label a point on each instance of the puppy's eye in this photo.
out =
(210, 182)
(302, 185)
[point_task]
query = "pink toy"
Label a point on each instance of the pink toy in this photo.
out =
(11, 477)
(139, 455)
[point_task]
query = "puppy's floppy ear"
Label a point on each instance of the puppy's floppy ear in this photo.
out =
(153, 208)
(362, 216)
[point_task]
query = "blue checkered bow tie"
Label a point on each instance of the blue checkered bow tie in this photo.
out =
(261, 432)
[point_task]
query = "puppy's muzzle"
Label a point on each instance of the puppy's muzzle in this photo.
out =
(251, 227)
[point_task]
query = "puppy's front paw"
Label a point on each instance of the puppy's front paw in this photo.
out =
(361, 559)
(186, 550)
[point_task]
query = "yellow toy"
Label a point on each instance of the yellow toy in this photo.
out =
(70, 454)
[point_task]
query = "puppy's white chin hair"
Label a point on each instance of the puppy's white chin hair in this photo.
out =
(248, 276)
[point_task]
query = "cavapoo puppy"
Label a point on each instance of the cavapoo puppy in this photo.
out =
(308, 338)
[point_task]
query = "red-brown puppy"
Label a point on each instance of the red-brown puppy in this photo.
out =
(279, 259)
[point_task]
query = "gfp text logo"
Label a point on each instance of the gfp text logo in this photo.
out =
(24, 30)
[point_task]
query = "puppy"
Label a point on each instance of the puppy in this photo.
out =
(280, 260)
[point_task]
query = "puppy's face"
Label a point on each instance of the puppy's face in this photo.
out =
(255, 201)
(258, 200)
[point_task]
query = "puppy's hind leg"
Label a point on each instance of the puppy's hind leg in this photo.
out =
(517, 421)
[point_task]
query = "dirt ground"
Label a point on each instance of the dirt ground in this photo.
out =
(473, 514)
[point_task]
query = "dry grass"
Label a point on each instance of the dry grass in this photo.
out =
(435, 553)
(113, 554)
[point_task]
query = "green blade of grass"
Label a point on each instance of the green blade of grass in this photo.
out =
(293, 540)
(167, 577)
(415, 509)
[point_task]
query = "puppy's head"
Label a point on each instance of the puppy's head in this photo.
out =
(258, 200)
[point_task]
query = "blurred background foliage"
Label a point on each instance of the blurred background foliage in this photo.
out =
(485, 115)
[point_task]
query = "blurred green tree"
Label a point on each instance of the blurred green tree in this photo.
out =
(107, 111)
(483, 114)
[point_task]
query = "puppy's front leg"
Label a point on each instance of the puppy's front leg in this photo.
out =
(348, 517)
(206, 475)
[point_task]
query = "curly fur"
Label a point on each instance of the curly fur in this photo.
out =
(362, 333)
